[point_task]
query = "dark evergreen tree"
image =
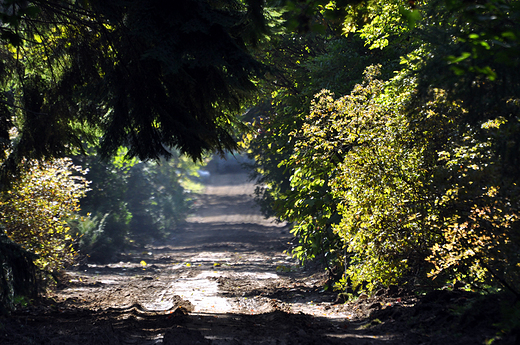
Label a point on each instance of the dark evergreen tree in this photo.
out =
(148, 75)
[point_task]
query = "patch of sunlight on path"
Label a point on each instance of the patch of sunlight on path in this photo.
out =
(202, 292)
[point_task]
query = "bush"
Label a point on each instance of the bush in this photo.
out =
(35, 210)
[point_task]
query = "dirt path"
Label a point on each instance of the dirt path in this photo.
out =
(222, 279)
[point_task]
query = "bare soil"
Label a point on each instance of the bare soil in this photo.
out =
(224, 278)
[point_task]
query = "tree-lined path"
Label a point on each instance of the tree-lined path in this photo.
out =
(385, 133)
(223, 278)
(226, 269)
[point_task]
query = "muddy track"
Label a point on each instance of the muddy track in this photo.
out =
(223, 278)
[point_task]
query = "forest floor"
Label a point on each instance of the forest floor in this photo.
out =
(224, 278)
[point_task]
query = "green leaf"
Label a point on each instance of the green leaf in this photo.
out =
(454, 59)
(410, 16)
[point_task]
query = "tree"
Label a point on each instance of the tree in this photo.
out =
(293, 186)
(159, 197)
(104, 222)
(466, 111)
(148, 75)
(376, 179)
(420, 168)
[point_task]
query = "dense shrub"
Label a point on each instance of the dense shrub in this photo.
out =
(35, 210)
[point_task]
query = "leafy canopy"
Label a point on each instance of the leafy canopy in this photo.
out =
(148, 75)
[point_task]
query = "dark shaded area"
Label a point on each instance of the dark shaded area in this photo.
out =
(235, 237)
(444, 317)
(448, 317)
(65, 323)
(18, 274)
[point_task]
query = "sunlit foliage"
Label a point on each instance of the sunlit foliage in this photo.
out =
(308, 64)
(35, 209)
(475, 184)
(375, 179)
(415, 174)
